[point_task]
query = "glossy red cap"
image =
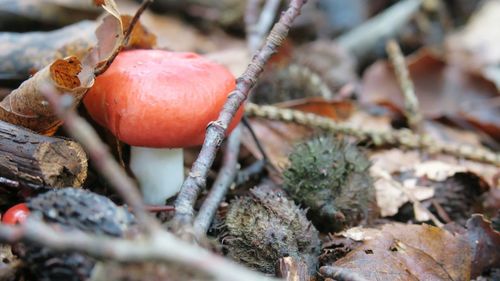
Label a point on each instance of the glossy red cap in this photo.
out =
(156, 98)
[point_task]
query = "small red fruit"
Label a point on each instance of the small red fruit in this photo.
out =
(16, 214)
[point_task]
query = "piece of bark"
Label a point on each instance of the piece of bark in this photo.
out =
(292, 270)
(35, 160)
(23, 54)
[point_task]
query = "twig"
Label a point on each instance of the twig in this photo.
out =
(341, 274)
(216, 130)
(412, 111)
(98, 152)
(126, 37)
(257, 29)
(261, 149)
(256, 168)
(159, 208)
(221, 185)
(160, 246)
(401, 138)
(363, 39)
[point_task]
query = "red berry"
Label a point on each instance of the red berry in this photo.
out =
(16, 214)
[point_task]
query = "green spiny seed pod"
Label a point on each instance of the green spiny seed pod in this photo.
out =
(331, 178)
(265, 226)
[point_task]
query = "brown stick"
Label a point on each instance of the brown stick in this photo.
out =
(216, 130)
(36, 160)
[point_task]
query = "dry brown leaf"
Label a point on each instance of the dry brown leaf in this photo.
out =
(140, 38)
(277, 138)
(455, 185)
(475, 47)
(442, 90)
(336, 110)
(169, 30)
(485, 244)
(26, 106)
(422, 252)
(411, 252)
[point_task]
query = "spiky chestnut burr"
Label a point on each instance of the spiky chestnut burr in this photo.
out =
(265, 226)
(331, 178)
(72, 209)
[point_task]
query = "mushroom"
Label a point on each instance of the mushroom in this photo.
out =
(160, 102)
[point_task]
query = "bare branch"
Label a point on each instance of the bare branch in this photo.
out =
(160, 246)
(216, 130)
(221, 185)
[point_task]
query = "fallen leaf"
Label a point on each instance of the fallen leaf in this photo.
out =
(26, 106)
(411, 252)
(442, 90)
(485, 244)
(140, 38)
(475, 46)
(336, 110)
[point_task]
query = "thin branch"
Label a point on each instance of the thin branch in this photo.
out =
(401, 138)
(341, 274)
(98, 152)
(261, 149)
(216, 130)
(126, 37)
(160, 246)
(221, 185)
(256, 168)
(412, 111)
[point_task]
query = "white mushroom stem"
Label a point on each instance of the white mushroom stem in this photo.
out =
(160, 172)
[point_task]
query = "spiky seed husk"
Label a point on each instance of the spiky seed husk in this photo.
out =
(331, 177)
(265, 226)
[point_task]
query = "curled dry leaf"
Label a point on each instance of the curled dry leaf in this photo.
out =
(26, 106)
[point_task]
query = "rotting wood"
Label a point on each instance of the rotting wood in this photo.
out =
(37, 160)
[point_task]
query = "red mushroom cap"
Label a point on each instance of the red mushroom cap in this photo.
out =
(156, 98)
(16, 214)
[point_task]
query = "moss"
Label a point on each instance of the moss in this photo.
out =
(265, 226)
(331, 178)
